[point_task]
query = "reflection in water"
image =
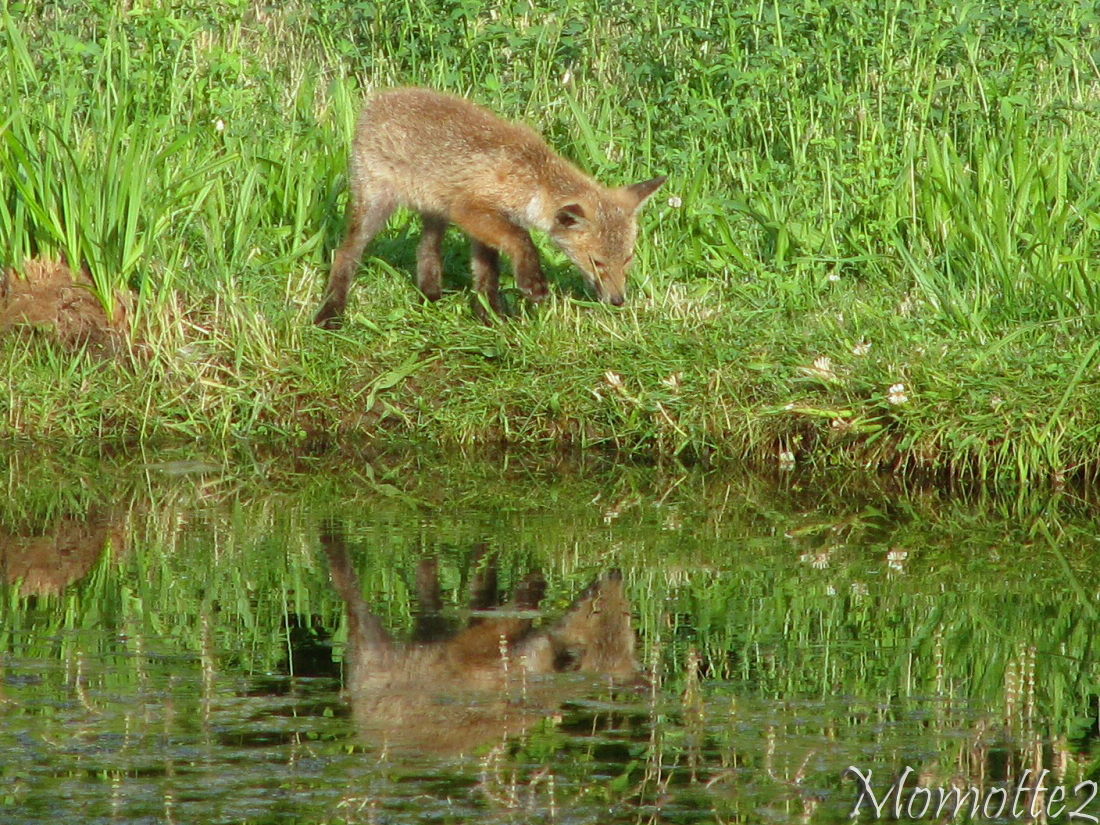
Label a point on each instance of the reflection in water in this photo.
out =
(45, 562)
(453, 694)
(787, 635)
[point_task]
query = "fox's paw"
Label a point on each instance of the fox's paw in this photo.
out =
(432, 293)
(536, 292)
(429, 277)
(329, 317)
(487, 311)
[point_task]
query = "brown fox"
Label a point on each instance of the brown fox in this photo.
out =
(455, 162)
(487, 681)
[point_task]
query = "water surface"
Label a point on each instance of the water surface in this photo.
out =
(175, 639)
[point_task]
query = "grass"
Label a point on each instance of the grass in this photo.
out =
(859, 198)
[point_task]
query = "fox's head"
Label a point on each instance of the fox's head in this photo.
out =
(594, 636)
(597, 233)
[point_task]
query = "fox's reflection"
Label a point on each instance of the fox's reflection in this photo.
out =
(452, 692)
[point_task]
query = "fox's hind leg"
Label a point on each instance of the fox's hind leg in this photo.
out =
(367, 214)
(485, 268)
(483, 581)
(368, 641)
(431, 625)
(429, 257)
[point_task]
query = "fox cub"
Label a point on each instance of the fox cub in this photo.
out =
(455, 162)
(448, 691)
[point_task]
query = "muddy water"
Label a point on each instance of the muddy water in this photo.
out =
(400, 641)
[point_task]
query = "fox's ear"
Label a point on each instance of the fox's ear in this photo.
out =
(641, 191)
(569, 216)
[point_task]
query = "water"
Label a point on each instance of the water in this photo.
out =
(178, 640)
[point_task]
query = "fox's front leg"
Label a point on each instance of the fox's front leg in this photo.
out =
(495, 231)
(529, 276)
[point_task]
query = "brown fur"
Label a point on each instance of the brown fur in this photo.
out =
(45, 561)
(51, 299)
(453, 693)
(455, 162)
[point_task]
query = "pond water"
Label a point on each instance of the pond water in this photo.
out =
(404, 639)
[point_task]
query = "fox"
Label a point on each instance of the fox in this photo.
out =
(454, 161)
(450, 693)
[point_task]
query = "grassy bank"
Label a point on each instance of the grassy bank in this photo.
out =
(876, 246)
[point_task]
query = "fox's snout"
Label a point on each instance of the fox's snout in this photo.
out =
(609, 287)
(605, 291)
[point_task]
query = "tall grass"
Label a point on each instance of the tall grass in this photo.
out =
(1004, 228)
(915, 177)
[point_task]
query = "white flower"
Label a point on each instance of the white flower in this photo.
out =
(219, 125)
(822, 368)
(675, 202)
(895, 559)
(786, 459)
(861, 348)
(897, 394)
(567, 78)
(833, 277)
(818, 561)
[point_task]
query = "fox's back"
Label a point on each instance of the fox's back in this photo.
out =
(429, 148)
